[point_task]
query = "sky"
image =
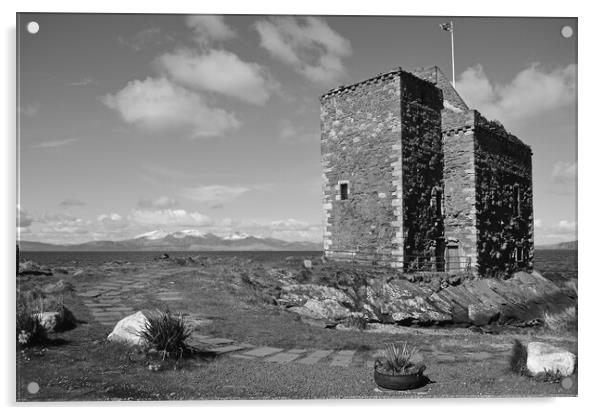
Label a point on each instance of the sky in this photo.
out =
(134, 123)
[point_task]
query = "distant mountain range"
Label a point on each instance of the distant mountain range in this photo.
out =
(185, 240)
(572, 245)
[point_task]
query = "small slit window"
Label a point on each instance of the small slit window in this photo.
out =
(516, 200)
(344, 191)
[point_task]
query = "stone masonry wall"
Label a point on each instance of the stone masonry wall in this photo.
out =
(360, 142)
(460, 195)
(503, 169)
(422, 166)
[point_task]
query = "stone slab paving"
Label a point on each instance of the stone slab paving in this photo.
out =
(284, 357)
(315, 357)
(343, 358)
(216, 341)
(227, 349)
(263, 351)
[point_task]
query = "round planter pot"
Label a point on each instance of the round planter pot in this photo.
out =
(400, 382)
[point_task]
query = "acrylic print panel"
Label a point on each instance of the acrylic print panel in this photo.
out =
(226, 207)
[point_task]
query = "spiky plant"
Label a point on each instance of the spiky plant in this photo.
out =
(397, 359)
(167, 333)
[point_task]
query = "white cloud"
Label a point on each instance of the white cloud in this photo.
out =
(159, 105)
(165, 217)
(538, 223)
(160, 202)
(308, 45)
(564, 172)
(30, 110)
(533, 91)
(218, 71)
(566, 225)
(24, 219)
(53, 144)
(208, 28)
(214, 193)
(563, 231)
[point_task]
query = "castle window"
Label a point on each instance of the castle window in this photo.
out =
(344, 190)
(516, 200)
(518, 255)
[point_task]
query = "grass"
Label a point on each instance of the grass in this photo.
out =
(562, 322)
(98, 369)
(167, 334)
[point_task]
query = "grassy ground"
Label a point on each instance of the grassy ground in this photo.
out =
(84, 366)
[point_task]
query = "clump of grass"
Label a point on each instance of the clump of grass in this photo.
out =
(518, 358)
(562, 322)
(356, 322)
(30, 331)
(397, 360)
(167, 334)
(549, 376)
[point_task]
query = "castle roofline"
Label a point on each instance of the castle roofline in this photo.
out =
(380, 77)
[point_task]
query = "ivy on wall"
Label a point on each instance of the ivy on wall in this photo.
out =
(504, 224)
(422, 164)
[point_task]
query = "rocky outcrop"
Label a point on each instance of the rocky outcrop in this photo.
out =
(33, 268)
(520, 299)
(542, 358)
(128, 330)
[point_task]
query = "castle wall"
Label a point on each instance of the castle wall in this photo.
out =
(503, 171)
(422, 161)
(382, 139)
(361, 145)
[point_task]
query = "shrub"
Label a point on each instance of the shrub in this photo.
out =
(562, 322)
(397, 359)
(167, 334)
(29, 328)
(357, 322)
(518, 358)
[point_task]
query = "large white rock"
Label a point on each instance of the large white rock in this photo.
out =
(542, 357)
(128, 330)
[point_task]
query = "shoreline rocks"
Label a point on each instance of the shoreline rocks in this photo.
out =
(520, 299)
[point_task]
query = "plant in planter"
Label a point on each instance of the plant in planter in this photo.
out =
(397, 370)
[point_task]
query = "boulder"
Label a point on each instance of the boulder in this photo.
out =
(307, 264)
(57, 321)
(128, 330)
(33, 268)
(542, 358)
(58, 287)
(327, 309)
(481, 315)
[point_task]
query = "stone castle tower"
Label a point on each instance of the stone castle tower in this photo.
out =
(414, 179)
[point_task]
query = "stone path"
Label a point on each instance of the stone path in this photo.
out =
(106, 303)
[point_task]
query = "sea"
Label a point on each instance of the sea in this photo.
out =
(557, 264)
(93, 258)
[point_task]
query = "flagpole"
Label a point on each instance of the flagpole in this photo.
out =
(453, 57)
